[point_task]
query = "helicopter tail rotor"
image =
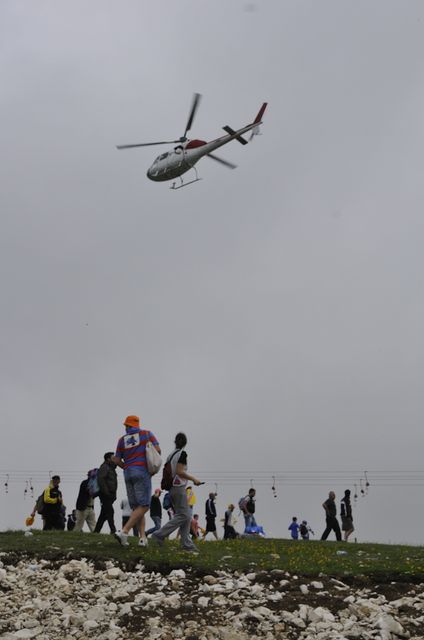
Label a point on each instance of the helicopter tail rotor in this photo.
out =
(232, 133)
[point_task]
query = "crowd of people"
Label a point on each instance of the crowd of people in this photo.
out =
(178, 501)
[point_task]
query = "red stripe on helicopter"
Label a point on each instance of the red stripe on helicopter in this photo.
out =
(260, 113)
(192, 144)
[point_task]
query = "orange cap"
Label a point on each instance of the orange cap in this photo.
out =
(132, 421)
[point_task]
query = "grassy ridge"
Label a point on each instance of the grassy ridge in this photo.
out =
(303, 558)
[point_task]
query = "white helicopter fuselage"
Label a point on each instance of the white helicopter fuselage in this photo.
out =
(184, 156)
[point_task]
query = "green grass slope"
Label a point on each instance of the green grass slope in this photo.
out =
(303, 558)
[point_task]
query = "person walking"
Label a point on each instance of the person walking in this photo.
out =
(126, 515)
(72, 518)
(131, 457)
(191, 497)
(183, 514)
(305, 530)
(294, 529)
(155, 512)
(210, 511)
(108, 485)
(85, 508)
(346, 515)
(247, 507)
(195, 527)
(332, 523)
(229, 531)
(52, 509)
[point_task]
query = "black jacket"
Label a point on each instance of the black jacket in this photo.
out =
(155, 507)
(108, 480)
(210, 508)
(83, 496)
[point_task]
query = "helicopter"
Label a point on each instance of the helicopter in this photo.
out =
(173, 164)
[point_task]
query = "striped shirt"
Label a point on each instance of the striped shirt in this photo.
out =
(131, 447)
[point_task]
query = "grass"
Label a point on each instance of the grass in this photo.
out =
(303, 558)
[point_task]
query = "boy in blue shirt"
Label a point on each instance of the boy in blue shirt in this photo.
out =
(294, 529)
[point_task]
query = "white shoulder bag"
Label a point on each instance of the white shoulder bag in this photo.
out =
(153, 459)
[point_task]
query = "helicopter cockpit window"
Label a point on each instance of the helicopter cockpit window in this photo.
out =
(163, 156)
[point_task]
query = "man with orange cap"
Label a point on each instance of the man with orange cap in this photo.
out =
(131, 457)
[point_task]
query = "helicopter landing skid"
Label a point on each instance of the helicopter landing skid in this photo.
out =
(183, 184)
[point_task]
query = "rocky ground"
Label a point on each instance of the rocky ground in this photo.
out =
(77, 599)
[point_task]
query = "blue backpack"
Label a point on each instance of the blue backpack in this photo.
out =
(167, 503)
(93, 483)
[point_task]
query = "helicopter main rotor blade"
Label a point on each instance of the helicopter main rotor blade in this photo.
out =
(145, 144)
(196, 100)
(230, 165)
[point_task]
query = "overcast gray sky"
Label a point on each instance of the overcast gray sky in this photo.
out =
(274, 312)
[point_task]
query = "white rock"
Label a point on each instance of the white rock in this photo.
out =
(177, 573)
(95, 613)
(203, 602)
(389, 625)
(174, 601)
(321, 615)
(28, 633)
(349, 599)
(317, 585)
(115, 572)
(31, 623)
(210, 580)
(90, 625)
(125, 609)
(304, 589)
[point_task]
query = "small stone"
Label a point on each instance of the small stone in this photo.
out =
(203, 602)
(178, 573)
(317, 585)
(115, 572)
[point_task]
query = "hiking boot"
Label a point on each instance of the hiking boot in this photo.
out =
(122, 538)
(193, 552)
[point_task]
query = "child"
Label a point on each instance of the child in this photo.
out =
(194, 527)
(294, 529)
(305, 530)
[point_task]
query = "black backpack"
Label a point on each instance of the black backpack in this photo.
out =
(39, 505)
(303, 530)
(167, 477)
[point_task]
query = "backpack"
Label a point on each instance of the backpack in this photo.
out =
(303, 530)
(242, 504)
(39, 505)
(167, 503)
(167, 476)
(93, 483)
